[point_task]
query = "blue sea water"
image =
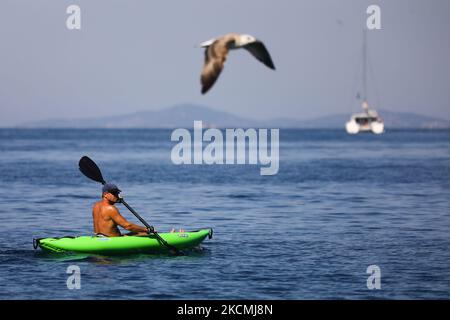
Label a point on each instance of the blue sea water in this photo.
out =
(339, 204)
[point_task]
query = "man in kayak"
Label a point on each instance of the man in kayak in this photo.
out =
(107, 217)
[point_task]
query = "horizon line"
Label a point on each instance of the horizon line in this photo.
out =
(33, 123)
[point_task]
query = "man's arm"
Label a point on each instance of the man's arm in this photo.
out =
(121, 221)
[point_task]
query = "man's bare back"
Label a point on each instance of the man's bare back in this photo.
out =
(107, 218)
(103, 221)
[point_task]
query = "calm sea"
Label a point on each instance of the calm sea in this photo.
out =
(338, 205)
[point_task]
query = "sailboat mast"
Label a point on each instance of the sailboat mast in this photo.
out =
(365, 104)
(364, 66)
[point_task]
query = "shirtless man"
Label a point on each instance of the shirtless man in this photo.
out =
(107, 217)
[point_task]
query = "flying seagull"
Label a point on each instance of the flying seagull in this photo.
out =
(217, 50)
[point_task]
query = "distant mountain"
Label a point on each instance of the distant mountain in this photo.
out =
(332, 121)
(183, 116)
(392, 120)
(173, 117)
(412, 120)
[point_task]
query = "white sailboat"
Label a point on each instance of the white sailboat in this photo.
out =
(368, 120)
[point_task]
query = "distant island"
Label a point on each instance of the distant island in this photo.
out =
(183, 116)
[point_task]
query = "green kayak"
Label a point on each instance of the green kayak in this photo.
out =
(123, 245)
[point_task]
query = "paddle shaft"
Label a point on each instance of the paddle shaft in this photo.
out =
(135, 213)
(178, 252)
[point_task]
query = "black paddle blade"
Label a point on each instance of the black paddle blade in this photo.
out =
(90, 169)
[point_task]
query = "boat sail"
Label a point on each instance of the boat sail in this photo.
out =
(368, 120)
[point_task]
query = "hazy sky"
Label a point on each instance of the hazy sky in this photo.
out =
(141, 55)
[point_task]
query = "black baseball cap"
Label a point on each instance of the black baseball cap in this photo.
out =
(111, 188)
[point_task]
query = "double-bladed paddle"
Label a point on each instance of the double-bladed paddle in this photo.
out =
(90, 169)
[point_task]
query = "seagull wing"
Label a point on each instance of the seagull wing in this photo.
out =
(259, 51)
(215, 56)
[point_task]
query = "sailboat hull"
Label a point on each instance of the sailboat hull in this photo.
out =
(353, 127)
(377, 127)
